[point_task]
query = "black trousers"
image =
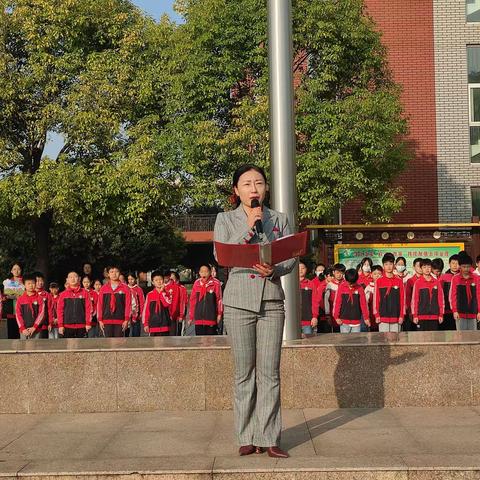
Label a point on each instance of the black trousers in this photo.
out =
(74, 333)
(206, 330)
(428, 325)
(324, 327)
(12, 329)
(43, 334)
(448, 322)
(113, 330)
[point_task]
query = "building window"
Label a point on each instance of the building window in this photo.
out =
(475, 201)
(473, 10)
(473, 54)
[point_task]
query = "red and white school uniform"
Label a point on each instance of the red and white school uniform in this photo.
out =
(427, 302)
(156, 312)
(206, 305)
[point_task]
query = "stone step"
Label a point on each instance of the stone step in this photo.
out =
(327, 444)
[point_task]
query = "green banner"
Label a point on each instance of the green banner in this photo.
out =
(351, 254)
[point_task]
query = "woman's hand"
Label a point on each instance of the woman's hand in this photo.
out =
(264, 269)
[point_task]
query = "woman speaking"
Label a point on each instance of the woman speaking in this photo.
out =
(254, 315)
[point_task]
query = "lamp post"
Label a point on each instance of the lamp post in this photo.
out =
(282, 141)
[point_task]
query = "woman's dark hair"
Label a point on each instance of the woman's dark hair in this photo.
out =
(131, 274)
(401, 258)
(366, 260)
(239, 172)
(86, 276)
(246, 168)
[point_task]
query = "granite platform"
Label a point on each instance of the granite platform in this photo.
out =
(325, 444)
(365, 370)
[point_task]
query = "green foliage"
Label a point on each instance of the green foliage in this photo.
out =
(83, 70)
(349, 123)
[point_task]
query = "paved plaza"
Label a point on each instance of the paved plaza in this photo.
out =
(385, 443)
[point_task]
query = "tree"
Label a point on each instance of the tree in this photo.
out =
(350, 130)
(76, 68)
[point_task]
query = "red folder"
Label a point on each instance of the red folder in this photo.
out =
(238, 255)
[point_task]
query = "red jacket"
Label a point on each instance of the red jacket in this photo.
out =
(206, 301)
(114, 306)
(319, 304)
(389, 299)
(174, 291)
(30, 311)
(74, 309)
(183, 302)
(55, 312)
(350, 304)
(94, 300)
(330, 294)
(156, 315)
(409, 290)
(427, 299)
(465, 295)
(139, 300)
(309, 302)
(48, 299)
(364, 280)
(446, 282)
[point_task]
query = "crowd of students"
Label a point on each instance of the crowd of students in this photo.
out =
(386, 298)
(120, 305)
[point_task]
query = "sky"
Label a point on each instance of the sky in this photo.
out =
(154, 8)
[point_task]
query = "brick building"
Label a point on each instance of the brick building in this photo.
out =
(434, 53)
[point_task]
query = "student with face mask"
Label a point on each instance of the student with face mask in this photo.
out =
(401, 269)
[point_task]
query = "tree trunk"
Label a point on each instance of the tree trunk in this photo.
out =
(41, 227)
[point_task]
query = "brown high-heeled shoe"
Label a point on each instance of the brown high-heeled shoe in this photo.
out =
(276, 452)
(246, 450)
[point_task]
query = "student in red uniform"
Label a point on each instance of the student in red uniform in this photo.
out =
(114, 305)
(408, 324)
(365, 271)
(377, 272)
(428, 305)
(320, 269)
(437, 267)
(53, 325)
(465, 295)
(173, 290)
(183, 302)
(307, 291)
(350, 304)
(74, 309)
(320, 284)
(338, 272)
(389, 298)
(139, 299)
(47, 298)
(87, 285)
(446, 281)
(156, 311)
(29, 310)
(477, 263)
(206, 306)
(401, 269)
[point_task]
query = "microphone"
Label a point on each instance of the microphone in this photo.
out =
(258, 223)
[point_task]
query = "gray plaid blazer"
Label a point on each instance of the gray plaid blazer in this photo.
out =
(245, 288)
